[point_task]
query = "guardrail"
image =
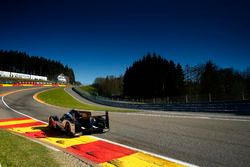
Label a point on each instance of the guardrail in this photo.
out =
(238, 107)
(32, 84)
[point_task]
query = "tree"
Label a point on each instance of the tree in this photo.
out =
(110, 86)
(180, 80)
(21, 62)
(209, 80)
(153, 76)
(246, 76)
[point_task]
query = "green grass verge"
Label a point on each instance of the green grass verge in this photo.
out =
(90, 89)
(18, 151)
(59, 97)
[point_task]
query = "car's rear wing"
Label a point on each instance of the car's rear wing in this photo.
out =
(104, 118)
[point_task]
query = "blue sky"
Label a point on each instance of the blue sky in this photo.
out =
(99, 38)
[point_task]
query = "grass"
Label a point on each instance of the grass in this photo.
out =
(18, 151)
(59, 97)
(90, 89)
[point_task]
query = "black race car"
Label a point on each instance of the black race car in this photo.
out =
(77, 122)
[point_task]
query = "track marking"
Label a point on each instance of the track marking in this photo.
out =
(20, 112)
(183, 116)
(27, 129)
(17, 122)
(29, 85)
(15, 91)
(170, 115)
(13, 119)
(88, 102)
(37, 99)
(37, 141)
(104, 140)
(42, 102)
(20, 122)
(149, 153)
(140, 159)
(48, 146)
(68, 142)
(74, 97)
(100, 151)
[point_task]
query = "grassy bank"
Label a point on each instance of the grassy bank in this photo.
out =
(18, 151)
(59, 97)
(90, 89)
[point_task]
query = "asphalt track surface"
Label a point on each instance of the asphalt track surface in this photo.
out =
(201, 139)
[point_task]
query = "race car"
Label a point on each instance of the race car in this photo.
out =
(78, 122)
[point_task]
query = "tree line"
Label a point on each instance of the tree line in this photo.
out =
(21, 62)
(155, 77)
(110, 86)
(220, 83)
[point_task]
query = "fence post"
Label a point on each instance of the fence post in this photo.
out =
(209, 97)
(186, 98)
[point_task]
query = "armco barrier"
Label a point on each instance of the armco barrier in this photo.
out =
(32, 84)
(238, 107)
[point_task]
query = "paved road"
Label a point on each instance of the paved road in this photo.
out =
(86, 101)
(7, 89)
(4, 112)
(201, 139)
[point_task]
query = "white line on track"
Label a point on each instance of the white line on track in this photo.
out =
(182, 116)
(136, 149)
(149, 153)
(175, 115)
(73, 96)
(89, 102)
(20, 112)
(50, 147)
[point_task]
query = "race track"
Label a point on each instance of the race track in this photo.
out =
(201, 139)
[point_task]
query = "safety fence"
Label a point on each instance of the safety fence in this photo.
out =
(238, 107)
(32, 84)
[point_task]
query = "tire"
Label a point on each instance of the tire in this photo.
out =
(51, 123)
(68, 129)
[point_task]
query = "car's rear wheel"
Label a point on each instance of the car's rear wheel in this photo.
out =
(68, 129)
(51, 123)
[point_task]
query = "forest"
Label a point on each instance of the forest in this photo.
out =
(21, 62)
(155, 77)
